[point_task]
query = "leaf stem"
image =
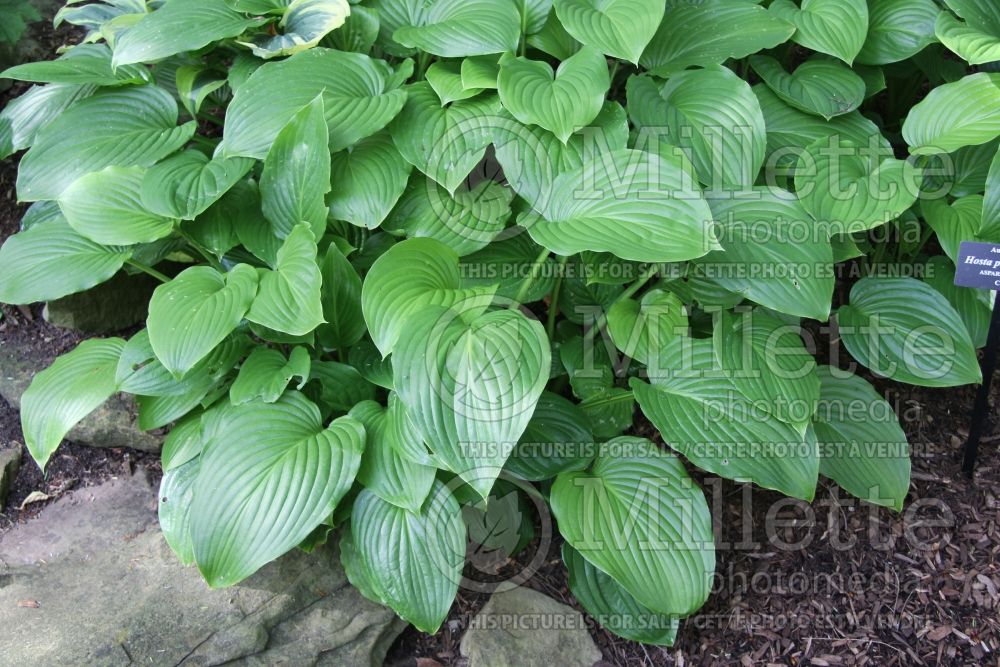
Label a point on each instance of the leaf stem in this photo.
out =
(644, 278)
(163, 278)
(550, 324)
(529, 279)
(202, 250)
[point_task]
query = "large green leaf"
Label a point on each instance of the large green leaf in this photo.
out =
(303, 25)
(849, 189)
(178, 26)
(390, 476)
(558, 439)
(195, 311)
(410, 561)
(24, 116)
(289, 299)
(184, 185)
(408, 278)
(360, 96)
(836, 27)
(640, 328)
(106, 206)
(367, 181)
(990, 226)
(465, 221)
(51, 260)
(471, 388)
(296, 175)
(561, 102)
(619, 28)
(636, 515)
(714, 115)
(638, 206)
(505, 264)
(897, 29)
(974, 305)
(977, 38)
(612, 606)
(955, 222)
(963, 113)
(454, 28)
(711, 32)
(66, 392)
(772, 253)
(174, 508)
(266, 373)
(140, 372)
(703, 416)
(818, 86)
(445, 77)
(862, 446)
(903, 329)
(270, 474)
(124, 127)
(83, 64)
(444, 143)
(341, 298)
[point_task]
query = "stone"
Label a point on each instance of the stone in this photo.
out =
(10, 463)
(117, 304)
(113, 424)
(526, 628)
(91, 581)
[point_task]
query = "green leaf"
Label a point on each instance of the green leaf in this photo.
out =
(955, 222)
(51, 260)
(40, 105)
(289, 299)
(296, 174)
(179, 26)
(505, 263)
(818, 86)
(558, 439)
(702, 416)
(83, 64)
(174, 508)
(217, 228)
(848, 189)
(123, 127)
(953, 115)
(772, 254)
(266, 373)
(619, 28)
(444, 142)
(140, 372)
(636, 515)
(341, 387)
(465, 221)
(183, 443)
(903, 329)
(391, 477)
(409, 561)
(106, 207)
(612, 606)
(367, 359)
(194, 84)
(480, 72)
(561, 102)
(974, 305)
(270, 474)
(184, 185)
(638, 206)
(977, 40)
(195, 311)
(553, 39)
(990, 226)
(359, 31)
(408, 278)
(303, 25)
(862, 446)
(897, 29)
(611, 412)
(711, 32)
(368, 179)
(640, 328)
(459, 28)
(341, 298)
(471, 388)
(445, 78)
(67, 391)
(836, 27)
(715, 117)
(360, 96)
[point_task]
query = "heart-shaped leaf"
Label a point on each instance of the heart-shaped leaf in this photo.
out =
(835, 27)
(106, 207)
(453, 28)
(619, 28)
(303, 25)
(640, 328)
(269, 475)
(953, 115)
(470, 388)
(558, 439)
(185, 185)
(977, 38)
(289, 296)
(897, 29)
(445, 78)
(956, 222)
(368, 179)
(818, 86)
(561, 102)
(266, 373)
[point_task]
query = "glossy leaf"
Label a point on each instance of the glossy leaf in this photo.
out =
(106, 206)
(818, 86)
(953, 115)
(836, 27)
(619, 28)
(289, 298)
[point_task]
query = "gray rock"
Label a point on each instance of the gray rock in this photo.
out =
(10, 463)
(113, 424)
(526, 628)
(117, 304)
(91, 581)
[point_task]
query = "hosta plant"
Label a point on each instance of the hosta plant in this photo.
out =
(427, 264)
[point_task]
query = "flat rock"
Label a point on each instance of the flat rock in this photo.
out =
(526, 628)
(90, 581)
(113, 424)
(114, 305)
